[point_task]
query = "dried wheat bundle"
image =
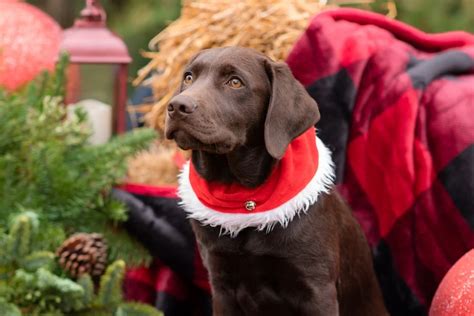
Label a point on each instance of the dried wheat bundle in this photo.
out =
(270, 26)
(156, 166)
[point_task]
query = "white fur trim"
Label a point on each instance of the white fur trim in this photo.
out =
(232, 224)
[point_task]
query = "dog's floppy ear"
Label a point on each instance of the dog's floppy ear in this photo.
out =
(291, 110)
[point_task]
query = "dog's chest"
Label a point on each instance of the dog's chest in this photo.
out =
(279, 242)
(247, 243)
(255, 268)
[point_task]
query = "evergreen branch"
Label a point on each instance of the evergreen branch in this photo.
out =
(42, 292)
(21, 234)
(122, 245)
(36, 260)
(86, 282)
(110, 292)
(8, 309)
(137, 309)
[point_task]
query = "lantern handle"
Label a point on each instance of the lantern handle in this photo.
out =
(93, 12)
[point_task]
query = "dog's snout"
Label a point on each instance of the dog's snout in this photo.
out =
(181, 105)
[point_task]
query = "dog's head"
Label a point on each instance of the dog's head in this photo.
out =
(234, 96)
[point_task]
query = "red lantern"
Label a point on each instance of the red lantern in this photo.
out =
(29, 43)
(99, 61)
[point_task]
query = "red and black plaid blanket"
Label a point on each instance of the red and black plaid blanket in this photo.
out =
(397, 109)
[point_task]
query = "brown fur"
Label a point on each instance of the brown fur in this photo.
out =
(320, 264)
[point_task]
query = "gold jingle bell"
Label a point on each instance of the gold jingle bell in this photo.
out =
(250, 205)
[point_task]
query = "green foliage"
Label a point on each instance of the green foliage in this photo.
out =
(49, 237)
(134, 309)
(44, 292)
(109, 300)
(47, 165)
(139, 21)
(27, 280)
(110, 293)
(437, 15)
(22, 232)
(431, 16)
(54, 183)
(85, 281)
(30, 285)
(8, 309)
(16, 245)
(38, 259)
(123, 244)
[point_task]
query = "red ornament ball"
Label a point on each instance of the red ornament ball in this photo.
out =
(29, 43)
(455, 294)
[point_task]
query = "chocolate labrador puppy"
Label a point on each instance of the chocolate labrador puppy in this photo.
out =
(238, 111)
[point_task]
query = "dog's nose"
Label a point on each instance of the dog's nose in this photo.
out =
(181, 105)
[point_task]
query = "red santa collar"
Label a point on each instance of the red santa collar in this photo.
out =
(304, 172)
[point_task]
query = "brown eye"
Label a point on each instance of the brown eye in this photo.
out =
(235, 83)
(188, 79)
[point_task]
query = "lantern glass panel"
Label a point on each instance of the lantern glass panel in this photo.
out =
(92, 87)
(98, 81)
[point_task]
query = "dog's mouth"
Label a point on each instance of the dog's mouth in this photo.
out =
(204, 138)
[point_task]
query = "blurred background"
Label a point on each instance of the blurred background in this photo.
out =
(139, 21)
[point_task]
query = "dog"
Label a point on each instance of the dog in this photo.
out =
(249, 124)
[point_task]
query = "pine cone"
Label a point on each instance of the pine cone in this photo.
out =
(83, 253)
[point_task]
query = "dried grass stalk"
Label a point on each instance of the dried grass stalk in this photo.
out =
(270, 26)
(157, 166)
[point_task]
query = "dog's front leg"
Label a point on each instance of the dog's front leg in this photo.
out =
(324, 302)
(329, 295)
(225, 305)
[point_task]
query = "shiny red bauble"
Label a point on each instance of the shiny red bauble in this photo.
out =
(29, 43)
(455, 294)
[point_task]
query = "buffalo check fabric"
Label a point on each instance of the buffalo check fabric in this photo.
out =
(397, 109)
